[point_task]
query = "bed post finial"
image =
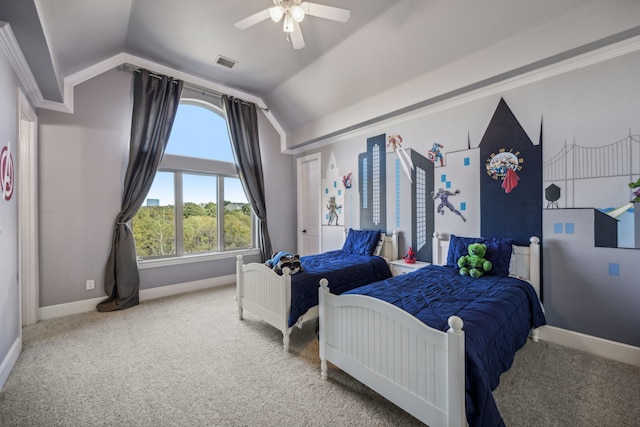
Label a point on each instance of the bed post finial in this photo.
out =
(455, 323)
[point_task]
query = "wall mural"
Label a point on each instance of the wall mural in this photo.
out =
(333, 193)
(509, 203)
(372, 168)
(575, 170)
(435, 154)
(444, 195)
(421, 218)
(477, 172)
(511, 183)
(395, 142)
(392, 179)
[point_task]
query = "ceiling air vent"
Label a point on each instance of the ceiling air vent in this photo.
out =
(225, 62)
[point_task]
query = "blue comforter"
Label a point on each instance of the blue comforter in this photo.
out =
(343, 270)
(498, 313)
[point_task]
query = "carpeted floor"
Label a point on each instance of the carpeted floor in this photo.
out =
(188, 361)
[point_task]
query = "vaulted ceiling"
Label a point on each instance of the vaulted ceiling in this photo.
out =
(346, 74)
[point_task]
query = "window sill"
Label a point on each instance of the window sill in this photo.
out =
(188, 259)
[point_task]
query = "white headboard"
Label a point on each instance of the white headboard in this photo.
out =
(388, 246)
(525, 260)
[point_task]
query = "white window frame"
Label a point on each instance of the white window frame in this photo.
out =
(180, 165)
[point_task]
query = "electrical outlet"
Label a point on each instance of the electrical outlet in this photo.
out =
(91, 284)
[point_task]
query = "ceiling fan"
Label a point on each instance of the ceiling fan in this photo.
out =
(293, 12)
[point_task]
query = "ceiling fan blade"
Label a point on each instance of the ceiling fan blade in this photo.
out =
(296, 37)
(326, 12)
(252, 20)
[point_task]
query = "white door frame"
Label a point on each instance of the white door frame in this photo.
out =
(28, 269)
(302, 194)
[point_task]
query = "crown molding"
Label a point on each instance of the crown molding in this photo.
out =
(473, 92)
(19, 63)
(17, 60)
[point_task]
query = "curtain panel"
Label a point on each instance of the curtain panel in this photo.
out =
(155, 102)
(242, 122)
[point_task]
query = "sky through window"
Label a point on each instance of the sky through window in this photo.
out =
(198, 132)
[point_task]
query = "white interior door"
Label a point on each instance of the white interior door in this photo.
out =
(309, 213)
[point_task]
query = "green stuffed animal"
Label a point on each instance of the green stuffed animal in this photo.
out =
(474, 264)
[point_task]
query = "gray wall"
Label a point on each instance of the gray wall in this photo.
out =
(586, 289)
(82, 165)
(9, 290)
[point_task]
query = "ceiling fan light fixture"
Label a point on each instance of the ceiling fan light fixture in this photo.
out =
(293, 12)
(276, 13)
(287, 27)
(297, 12)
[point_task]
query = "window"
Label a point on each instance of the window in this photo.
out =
(196, 204)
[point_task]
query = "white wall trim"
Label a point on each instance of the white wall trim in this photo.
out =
(19, 63)
(10, 361)
(165, 291)
(600, 347)
(391, 119)
(27, 125)
(70, 82)
(12, 49)
(76, 307)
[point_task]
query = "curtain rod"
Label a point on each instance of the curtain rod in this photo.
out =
(188, 86)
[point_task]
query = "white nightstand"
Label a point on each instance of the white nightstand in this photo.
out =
(398, 266)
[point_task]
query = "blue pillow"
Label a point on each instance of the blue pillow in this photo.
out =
(498, 252)
(361, 242)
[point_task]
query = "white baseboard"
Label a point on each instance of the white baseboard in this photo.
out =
(601, 347)
(605, 348)
(66, 309)
(10, 360)
(165, 291)
(76, 307)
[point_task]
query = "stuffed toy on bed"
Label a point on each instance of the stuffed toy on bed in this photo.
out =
(283, 259)
(474, 264)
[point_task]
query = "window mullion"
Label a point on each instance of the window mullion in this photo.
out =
(221, 211)
(179, 220)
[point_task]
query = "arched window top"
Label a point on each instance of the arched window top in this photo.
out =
(200, 131)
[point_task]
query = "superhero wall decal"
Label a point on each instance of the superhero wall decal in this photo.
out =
(395, 143)
(503, 166)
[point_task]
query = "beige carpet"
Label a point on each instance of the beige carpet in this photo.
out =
(188, 361)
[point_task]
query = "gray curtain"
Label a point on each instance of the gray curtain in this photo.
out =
(242, 122)
(155, 102)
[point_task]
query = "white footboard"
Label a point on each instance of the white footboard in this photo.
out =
(265, 294)
(268, 295)
(418, 368)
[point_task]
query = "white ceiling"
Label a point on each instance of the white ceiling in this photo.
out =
(385, 44)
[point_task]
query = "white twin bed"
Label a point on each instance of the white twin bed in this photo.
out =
(268, 295)
(420, 369)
